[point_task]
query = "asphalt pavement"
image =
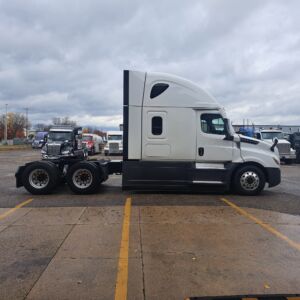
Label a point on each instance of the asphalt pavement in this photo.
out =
(123, 245)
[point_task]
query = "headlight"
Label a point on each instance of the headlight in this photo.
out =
(277, 161)
(44, 150)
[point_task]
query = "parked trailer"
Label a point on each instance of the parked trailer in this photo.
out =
(176, 137)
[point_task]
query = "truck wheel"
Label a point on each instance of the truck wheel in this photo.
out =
(83, 178)
(40, 178)
(249, 180)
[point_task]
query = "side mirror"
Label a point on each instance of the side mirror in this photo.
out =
(258, 136)
(228, 135)
(274, 144)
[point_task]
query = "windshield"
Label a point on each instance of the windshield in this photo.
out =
(86, 138)
(40, 136)
(115, 137)
(59, 136)
(272, 135)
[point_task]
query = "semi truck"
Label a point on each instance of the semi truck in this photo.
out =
(176, 136)
(93, 143)
(114, 143)
(286, 153)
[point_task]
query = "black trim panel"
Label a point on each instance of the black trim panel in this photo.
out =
(125, 113)
(274, 176)
(249, 141)
(165, 175)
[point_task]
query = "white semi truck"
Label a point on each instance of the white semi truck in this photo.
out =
(114, 143)
(286, 153)
(175, 137)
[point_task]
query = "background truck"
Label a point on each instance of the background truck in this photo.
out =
(64, 141)
(39, 140)
(93, 143)
(294, 139)
(114, 143)
(176, 137)
(287, 154)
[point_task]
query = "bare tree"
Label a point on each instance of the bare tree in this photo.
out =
(42, 127)
(63, 121)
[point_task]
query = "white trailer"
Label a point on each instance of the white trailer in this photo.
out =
(175, 137)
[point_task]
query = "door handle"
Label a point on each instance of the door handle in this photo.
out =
(201, 151)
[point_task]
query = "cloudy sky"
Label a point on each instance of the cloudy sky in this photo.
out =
(65, 57)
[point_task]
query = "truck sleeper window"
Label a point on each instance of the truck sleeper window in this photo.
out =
(212, 124)
(157, 125)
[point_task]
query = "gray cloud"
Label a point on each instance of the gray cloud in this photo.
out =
(66, 57)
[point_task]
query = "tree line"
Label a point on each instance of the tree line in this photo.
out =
(16, 125)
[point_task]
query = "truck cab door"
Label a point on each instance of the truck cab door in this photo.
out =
(211, 143)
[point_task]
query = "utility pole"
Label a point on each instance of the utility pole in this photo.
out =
(5, 129)
(26, 124)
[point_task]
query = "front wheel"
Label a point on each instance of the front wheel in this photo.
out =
(249, 180)
(83, 178)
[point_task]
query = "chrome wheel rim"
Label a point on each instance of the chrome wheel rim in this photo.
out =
(249, 181)
(82, 178)
(39, 178)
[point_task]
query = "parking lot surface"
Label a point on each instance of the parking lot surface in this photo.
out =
(146, 245)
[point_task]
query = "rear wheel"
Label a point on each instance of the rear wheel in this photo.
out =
(83, 178)
(40, 177)
(249, 180)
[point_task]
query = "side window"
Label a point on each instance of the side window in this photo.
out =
(212, 124)
(157, 124)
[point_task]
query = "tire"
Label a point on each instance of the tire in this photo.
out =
(249, 180)
(298, 157)
(84, 178)
(40, 178)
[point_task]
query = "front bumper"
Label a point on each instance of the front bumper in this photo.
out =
(273, 176)
(287, 156)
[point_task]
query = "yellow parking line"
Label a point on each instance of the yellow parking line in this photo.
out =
(7, 213)
(262, 224)
(122, 278)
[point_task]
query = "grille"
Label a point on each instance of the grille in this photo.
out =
(284, 148)
(113, 147)
(53, 149)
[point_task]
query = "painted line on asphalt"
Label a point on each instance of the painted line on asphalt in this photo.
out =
(122, 277)
(7, 213)
(262, 224)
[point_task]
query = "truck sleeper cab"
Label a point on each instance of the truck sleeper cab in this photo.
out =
(175, 137)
